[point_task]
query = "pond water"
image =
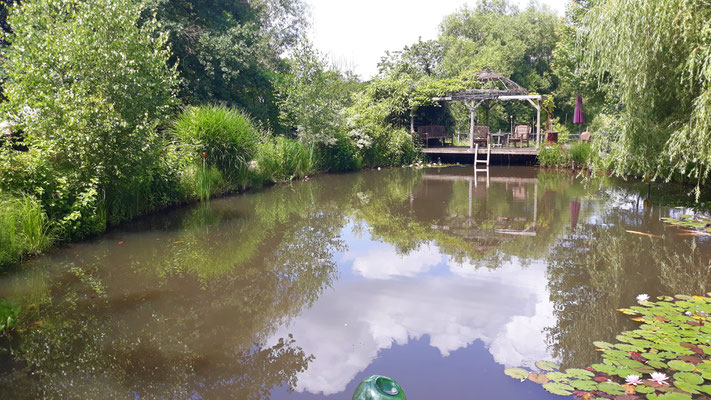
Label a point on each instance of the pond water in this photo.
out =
(438, 278)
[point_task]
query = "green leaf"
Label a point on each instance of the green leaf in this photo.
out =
(579, 373)
(644, 389)
(585, 385)
(688, 377)
(681, 365)
(517, 373)
(610, 388)
(547, 365)
(558, 388)
(603, 345)
(687, 387)
(557, 376)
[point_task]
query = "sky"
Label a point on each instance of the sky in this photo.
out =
(356, 33)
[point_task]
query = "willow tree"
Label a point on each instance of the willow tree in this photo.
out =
(655, 55)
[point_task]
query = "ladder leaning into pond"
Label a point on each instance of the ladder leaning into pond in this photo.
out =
(477, 161)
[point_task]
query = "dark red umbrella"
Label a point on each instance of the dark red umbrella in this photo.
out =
(578, 117)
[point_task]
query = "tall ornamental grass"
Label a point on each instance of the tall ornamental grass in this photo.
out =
(281, 159)
(225, 137)
(24, 228)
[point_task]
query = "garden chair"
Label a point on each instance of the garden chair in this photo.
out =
(481, 135)
(520, 135)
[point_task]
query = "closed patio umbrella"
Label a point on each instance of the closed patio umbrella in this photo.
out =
(578, 117)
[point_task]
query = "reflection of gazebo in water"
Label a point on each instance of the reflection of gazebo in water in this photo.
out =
(467, 227)
(491, 87)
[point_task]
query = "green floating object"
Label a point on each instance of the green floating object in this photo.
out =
(378, 387)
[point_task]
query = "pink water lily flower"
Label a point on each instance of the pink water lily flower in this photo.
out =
(660, 378)
(633, 380)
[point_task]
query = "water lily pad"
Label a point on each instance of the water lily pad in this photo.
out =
(538, 377)
(644, 389)
(584, 385)
(603, 345)
(610, 388)
(558, 388)
(547, 365)
(657, 364)
(517, 373)
(579, 373)
(669, 396)
(558, 376)
(681, 365)
(687, 387)
(688, 377)
(608, 369)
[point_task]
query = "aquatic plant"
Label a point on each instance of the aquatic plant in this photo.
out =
(8, 315)
(24, 228)
(667, 358)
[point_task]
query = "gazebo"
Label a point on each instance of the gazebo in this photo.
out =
(493, 87)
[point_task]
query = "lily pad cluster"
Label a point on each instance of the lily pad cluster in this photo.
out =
(698, 222)
(667, 358)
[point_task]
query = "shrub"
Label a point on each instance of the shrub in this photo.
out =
(225, 136)
(552, 156)
(580, 154)
(342, 156)
(402, 149)
(24, 228)
(281, 158)
(89, 108)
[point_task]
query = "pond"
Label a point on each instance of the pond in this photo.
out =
(438, 278)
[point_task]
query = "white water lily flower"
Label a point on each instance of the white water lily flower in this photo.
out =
(660, 378)
(633, 380)
(642, 298)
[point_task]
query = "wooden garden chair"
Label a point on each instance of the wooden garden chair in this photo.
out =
(481, 135)
(520, 135)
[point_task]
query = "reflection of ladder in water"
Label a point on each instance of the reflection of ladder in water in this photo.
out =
(477, 161)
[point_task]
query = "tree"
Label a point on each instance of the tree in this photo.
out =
(498, 36)
(88, 87)
(313, 96)
(420, 59)
(657, 58)
(230, 51)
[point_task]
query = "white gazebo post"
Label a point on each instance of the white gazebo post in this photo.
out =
(538, 124)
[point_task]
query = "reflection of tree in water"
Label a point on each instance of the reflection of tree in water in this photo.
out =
(181, 318)
(601, 267)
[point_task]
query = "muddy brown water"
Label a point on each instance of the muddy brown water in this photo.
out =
(438, 278)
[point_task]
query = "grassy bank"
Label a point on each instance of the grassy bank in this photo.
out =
(206, 151)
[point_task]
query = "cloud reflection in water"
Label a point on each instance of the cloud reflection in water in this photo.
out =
(392, 298)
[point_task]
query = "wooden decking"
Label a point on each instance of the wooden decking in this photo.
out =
(495, 151)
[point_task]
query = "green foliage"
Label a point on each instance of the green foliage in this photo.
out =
(24, 228)
(342, 156)
(673, 337)
(662, 78)
(224, 137)
(312, 97)
(283, 159)
(580, 154)
(230, 51)
(553, 156)
(89, 108)
(8, 315)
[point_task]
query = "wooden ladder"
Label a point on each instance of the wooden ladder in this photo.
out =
(477, 161)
